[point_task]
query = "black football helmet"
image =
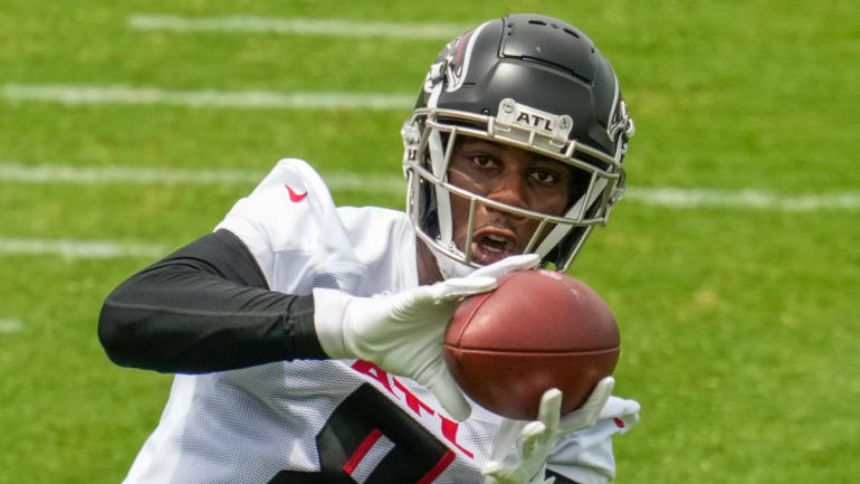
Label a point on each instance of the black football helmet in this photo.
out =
(529, 81)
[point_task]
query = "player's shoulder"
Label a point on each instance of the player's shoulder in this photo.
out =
(291, 193)
(380, 215)
(376, 223)
(293, 172)
(384, 242)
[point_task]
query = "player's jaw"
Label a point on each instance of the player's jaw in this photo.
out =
(496, 236)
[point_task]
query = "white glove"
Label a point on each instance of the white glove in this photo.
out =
(522, 448)
(403, 332)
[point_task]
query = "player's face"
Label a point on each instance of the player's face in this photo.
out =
(509, 175)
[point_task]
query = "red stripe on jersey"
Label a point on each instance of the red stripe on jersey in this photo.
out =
(362, 450)
(440, 466)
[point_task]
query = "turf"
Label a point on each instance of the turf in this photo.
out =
(739, 325)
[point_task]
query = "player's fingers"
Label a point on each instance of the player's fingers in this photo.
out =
(586, 415)
(532, 436)
(507, 437)
(496, 473)
(457, 288)
(442, 385)
(507, 265)
(550, 409)
(599, 396)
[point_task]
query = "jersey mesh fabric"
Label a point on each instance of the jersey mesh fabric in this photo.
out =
(345, 281)
(247, 425)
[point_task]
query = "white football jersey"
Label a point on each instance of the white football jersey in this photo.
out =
(333, 421)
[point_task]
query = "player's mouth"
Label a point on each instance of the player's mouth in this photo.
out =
(493, 244)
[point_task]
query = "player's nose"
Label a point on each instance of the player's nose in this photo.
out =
(510, 188)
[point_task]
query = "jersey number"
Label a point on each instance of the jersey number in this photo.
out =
(361, 422)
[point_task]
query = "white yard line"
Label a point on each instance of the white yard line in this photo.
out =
(337, 181)
(98, 175)
(79, 249)
(745, 198)
(395, 185)
(296, 26)
(208, 98)
(10, 325)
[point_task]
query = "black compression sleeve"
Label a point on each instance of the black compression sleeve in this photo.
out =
(205, 308)
(560, 479)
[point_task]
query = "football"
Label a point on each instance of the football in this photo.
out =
(539, 329)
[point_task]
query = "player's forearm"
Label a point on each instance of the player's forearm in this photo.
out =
(205, 308)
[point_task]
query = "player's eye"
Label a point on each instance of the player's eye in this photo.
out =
(482, 161)
(543, 176)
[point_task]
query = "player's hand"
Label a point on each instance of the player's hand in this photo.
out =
(522, 448)
(403, 332)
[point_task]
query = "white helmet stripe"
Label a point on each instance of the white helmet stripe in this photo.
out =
(581, 206)
(443, 198)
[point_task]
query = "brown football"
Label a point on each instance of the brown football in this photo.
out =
(539, 329)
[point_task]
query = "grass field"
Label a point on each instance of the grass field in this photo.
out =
(739, 319)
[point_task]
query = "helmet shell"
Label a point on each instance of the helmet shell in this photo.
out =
(538, 61)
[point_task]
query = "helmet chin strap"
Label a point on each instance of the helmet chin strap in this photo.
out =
(450, 268)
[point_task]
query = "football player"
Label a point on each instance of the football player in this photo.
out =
(306, 338)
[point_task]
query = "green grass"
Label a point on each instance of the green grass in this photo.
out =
(743, 358)
(739, 326)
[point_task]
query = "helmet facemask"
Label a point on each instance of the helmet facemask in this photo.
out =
(429, 140)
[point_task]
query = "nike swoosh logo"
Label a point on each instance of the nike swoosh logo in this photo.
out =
(296, 197)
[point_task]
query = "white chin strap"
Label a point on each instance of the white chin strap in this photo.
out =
(450, 268)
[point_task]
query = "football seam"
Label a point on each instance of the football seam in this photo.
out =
(484, 298)
(487, 295)
(540, 352)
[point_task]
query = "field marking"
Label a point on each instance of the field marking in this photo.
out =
(73, 95)
(99, 175)
(745, 198)
(16, 172)
(79, 249)
(10, 325)
(296, 26)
